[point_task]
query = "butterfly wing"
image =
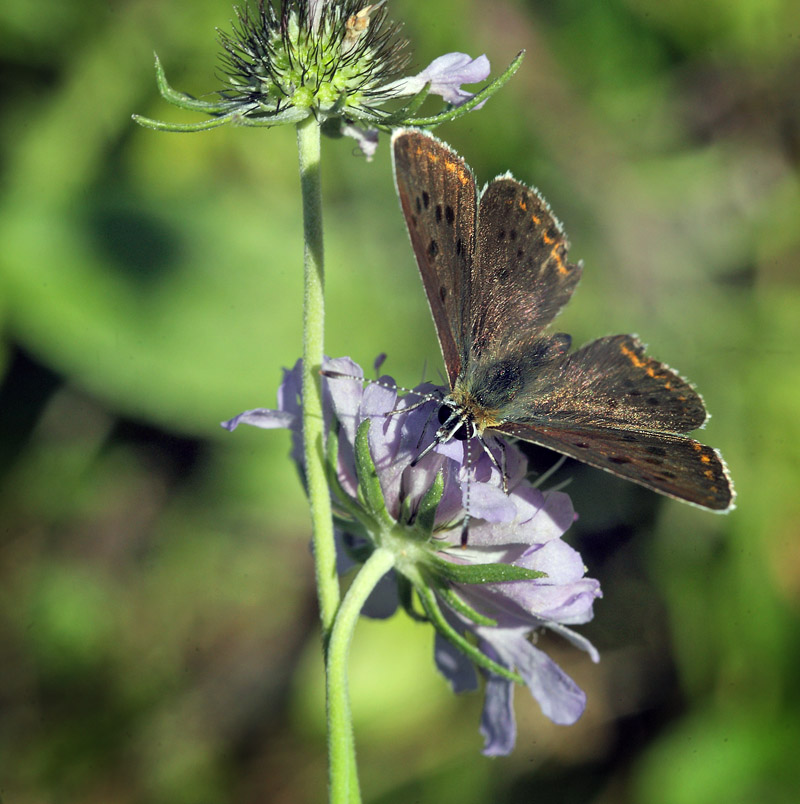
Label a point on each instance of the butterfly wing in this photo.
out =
(664, 462)
(613, 407)
(609, 382)
(522, 277)
(439, 200)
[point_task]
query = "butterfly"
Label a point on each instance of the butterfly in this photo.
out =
(495, 270)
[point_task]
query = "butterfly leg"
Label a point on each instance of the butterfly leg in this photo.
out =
(499, 465)
(447, 431)
(503, 463)
(467, 467)
(425, 426)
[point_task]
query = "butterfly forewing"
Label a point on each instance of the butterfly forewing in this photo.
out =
(669, 464)
(438, 196)
(522, 277)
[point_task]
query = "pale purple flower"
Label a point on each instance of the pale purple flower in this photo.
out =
(367, 138)
(446, 74)
(522, 528)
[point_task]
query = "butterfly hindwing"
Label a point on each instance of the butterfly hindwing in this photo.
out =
(669, 464)
(610, 382)
(439, 200)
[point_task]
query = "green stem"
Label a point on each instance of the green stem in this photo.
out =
(341, 745)
(308, 146)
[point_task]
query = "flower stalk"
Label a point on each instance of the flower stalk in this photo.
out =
(344, 787)
(308, 147)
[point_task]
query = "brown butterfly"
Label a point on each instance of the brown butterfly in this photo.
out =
(495, 270)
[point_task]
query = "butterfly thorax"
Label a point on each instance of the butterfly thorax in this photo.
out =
(462, 406)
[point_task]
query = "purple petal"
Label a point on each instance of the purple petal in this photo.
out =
(262, 417)
(537, 518)
(498, 727)
(290, 390)
(458, 68)
(555, 516)
(379, 361)
(576, 639)
(382, 602)
(454, 665)
(448, 72)
(559, 697)
(563, 596)
(488, 502)
(289, 401)
(367, 138)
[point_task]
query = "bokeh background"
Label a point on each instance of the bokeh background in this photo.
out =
(158, 631)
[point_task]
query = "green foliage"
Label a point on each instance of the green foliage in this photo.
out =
(155, 581)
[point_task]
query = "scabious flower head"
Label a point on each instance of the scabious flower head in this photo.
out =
(314, 56)
(515, 576)
(341, 61)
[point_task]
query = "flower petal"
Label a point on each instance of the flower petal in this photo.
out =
(446, 74)
(367, 138)
(454, 665)
(498, 726)
(261, 417)
(559, 697)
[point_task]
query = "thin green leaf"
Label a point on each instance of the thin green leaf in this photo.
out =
(182, 100)
(456, 603)
(332, 471)
(481, 573)
(399, 116)
(203, 125)
(431, 606)
(291, 115)
(405, 594)
(426, 512)
(369, 485)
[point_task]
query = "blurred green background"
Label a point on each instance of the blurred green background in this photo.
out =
(157, 617)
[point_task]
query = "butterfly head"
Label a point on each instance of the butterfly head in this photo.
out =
(461, 418)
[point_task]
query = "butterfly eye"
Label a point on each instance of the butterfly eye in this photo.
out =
(449, 415)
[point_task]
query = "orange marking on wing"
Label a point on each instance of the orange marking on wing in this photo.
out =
(562, 269)
(697, 447)
(536, 220)
(461, 174)
(650, 366)
(632, 356)
(709, 474)
(522, 205)
(705, 459)
(547, 239)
